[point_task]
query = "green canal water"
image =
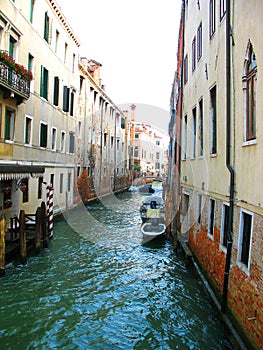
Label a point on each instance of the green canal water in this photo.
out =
(98, 287)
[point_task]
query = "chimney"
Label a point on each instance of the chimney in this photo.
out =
(133, 107)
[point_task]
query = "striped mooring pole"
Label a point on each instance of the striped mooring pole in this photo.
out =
(50, 204)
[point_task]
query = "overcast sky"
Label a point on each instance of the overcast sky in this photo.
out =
(136, 43)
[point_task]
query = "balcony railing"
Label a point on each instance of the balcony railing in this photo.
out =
(14, 81)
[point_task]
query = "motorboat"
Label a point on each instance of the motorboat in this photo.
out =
(152, 213)
(146, 189)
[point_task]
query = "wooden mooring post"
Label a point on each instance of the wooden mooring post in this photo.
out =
(38, 230)
(2, 246)
(22, 237)
(44, 225)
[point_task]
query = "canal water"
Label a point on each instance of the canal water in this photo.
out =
(98, 286)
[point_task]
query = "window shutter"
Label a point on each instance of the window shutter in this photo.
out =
(50, 31)
(56, 91)
(65, 99)
(42, 82)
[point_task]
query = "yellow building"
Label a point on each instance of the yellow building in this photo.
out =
(58, 128)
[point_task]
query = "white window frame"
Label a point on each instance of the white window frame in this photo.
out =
(242, 266)
(31, 131)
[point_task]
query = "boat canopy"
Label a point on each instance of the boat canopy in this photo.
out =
(149, 200)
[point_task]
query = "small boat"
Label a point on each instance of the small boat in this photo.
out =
(146, 189)
(152, 213)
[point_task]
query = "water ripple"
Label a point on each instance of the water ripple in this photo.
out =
(110, 292)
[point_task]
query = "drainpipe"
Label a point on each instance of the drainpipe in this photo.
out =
(229, 167)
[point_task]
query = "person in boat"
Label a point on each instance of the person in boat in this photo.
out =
(151, 190)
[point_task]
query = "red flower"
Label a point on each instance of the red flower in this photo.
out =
(18, 68)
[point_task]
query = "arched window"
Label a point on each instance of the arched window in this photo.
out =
(249, 88)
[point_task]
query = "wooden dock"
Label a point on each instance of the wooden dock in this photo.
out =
(22, 234)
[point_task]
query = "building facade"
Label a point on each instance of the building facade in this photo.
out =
(220, 168)
(150, 150)
(58, 128)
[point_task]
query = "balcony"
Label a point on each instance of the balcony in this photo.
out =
(14, 83)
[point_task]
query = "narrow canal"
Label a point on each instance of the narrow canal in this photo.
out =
(98, 287)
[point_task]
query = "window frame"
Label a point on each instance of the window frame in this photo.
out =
(43, 143)
(249, 79)
(211, 217)
(28, 133)
(212, 18)
(213, 120)
(199, 42)
(240, 254)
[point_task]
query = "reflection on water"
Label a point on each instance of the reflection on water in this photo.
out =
(98, 287)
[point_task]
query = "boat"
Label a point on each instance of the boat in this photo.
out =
(146, 189)
(152, 213)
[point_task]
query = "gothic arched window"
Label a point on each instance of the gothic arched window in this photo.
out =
(249, 88)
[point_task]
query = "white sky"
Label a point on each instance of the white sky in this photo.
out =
(136, 43)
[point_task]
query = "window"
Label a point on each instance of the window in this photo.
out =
(185, 69)
(56, 91)
(200, 129)
(249, 89)
(65, 52)
(39, 187)
(61, 183)
(52, 176)
(62, 144)
(224, 225)
(111, 141)
(28, 130)
(199, 207)
(25, 192)
(73, 62)
(72, 95)
(212, 17)
(193, 144)
(184, 148)
(69, 182)
(43, 135)
(158, 155)
(122, 123)
(194, 54)
(47, 28)
(157, 142)
(57, 41)
(211, 217)
(44, 83)
(222, 8)
(32, 2)
(65, 99)
(12, 47)
(9, 124)
(71, 142)
(78, 170)
(105, 139)
(136, 152)
(245, 237)
(118, 145)
(213, 121)
(199, 42)
(53, 139)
